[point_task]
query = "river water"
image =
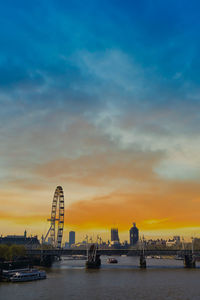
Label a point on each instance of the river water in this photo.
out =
(163, 279)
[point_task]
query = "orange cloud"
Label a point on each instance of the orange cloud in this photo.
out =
(133, 192)
(175, 205)
(103, 167)
(170, 205)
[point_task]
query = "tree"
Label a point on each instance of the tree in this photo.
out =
(11, 252)
(4, 252)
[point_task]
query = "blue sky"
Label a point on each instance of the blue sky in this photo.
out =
(94, 86)
(161, 37)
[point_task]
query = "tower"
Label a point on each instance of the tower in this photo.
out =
(71, 238)
(114, 235)
(134, 235)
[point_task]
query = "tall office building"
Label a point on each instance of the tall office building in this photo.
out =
(134, 235)
(71, 238)
(114, 235)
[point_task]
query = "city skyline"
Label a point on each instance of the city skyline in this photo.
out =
(96, 237)
(104, 101)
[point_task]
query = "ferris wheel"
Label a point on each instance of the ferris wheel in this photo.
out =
(57, 219)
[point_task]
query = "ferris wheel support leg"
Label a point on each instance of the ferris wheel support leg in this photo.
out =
(47, 234)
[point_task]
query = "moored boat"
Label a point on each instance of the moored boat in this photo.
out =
(179, 257)
(7, 274)
(112, 260)
(29, 275)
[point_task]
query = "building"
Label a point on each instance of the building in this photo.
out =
(114, 235)
(134, 235)
(114, 238)
(50, 240)
(196, 243)
(177, 238)
(28, 242)
(66, 245)
(174, 242)
(71, 238)
(158, 242)
(171, 243)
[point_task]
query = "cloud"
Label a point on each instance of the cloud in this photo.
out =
(104, 167)
(173, 206)
(103, 99)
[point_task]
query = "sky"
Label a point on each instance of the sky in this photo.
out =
(102, 98)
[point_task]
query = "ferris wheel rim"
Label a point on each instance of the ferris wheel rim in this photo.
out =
(57, 204)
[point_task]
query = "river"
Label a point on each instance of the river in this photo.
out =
(163, 279)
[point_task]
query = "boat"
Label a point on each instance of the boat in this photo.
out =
(179, 257)
(7, 274)
(197, 258)
(112, 260)
(30, 275)
(93, 258)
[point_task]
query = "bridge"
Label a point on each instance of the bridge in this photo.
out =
(47, 256)
(129, 252)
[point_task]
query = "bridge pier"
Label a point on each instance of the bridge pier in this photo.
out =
(143, 263)
(46, 260)
(1, 274)
(189, 261)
